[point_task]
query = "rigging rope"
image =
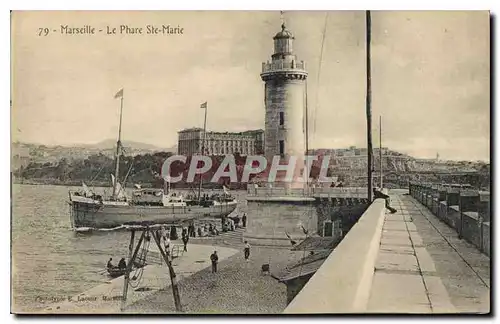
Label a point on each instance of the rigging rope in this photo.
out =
(304, 250)
(141, 263)
(319, 75)
(98, 172)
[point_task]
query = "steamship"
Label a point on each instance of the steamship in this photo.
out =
(89, 210)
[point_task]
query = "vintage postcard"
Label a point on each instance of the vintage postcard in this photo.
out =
(250, 162)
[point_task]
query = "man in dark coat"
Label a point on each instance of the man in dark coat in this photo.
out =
(214, 259)
(244, 220)
(185, 240)
(247, 251)
(122, 265)
(378, 194)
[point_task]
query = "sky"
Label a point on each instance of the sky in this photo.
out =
(430, 77)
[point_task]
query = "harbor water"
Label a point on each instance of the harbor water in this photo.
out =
(50, 262)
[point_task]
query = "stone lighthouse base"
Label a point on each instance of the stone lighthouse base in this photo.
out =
(271, 217)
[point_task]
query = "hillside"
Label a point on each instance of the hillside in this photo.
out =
(24, 153)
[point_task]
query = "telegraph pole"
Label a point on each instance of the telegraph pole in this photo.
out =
(368, 104)
(380, 151)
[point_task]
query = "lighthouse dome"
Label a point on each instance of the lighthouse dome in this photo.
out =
(284, 33)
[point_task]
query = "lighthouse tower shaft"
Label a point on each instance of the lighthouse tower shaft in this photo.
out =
(285, 101)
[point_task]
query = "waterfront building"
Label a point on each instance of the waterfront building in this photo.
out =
(220, 143)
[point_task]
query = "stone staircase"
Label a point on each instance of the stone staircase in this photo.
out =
(230, 238)
(234, 238)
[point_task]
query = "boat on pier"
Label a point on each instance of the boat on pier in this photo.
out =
(89, 210)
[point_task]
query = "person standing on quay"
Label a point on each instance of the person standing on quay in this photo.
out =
(214, 258)
(167, 246)
(185, 240)
(247, 250)
(244, 219)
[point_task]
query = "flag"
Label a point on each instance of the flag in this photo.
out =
(119, 94)
(204, 105)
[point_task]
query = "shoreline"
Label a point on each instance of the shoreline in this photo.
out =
(105, 184)
(105, 298)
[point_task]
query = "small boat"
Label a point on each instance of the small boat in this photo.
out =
(116, 272)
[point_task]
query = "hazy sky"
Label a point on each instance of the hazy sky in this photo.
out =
(430, 77)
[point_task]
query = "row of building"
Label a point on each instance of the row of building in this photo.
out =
(345, 159)
(220, 143)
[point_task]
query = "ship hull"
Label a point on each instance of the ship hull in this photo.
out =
(95, 215)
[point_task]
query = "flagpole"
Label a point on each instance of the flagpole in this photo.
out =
(203, 148)
(118, 148)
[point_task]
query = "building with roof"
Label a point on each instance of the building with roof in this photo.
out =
(250, 142)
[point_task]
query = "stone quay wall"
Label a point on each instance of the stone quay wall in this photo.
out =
(275, 212)
(465, 210)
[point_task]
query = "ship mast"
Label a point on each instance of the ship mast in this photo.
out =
(119, 94)
(203, 106)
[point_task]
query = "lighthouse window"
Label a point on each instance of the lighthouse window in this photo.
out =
(282, 148)
(282, 118)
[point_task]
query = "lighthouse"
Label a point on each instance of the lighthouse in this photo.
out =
(285, 101)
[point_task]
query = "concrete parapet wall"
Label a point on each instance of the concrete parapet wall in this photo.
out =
(435, 206)
(465, 210)
(347, 272)
(470, 228)
(486, 244)
(484, 206)
(443, 210)
(428, 201)
(453, 217)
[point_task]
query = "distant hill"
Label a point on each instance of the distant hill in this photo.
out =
(23, 153)
(111, 143)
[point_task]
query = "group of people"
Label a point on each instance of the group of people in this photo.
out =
(232, 223)
(122, 265)
(187, 232)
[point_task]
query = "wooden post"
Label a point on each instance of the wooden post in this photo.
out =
(173, 277)
(129, 268)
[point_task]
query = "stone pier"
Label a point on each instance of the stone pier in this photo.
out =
(275, 212)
